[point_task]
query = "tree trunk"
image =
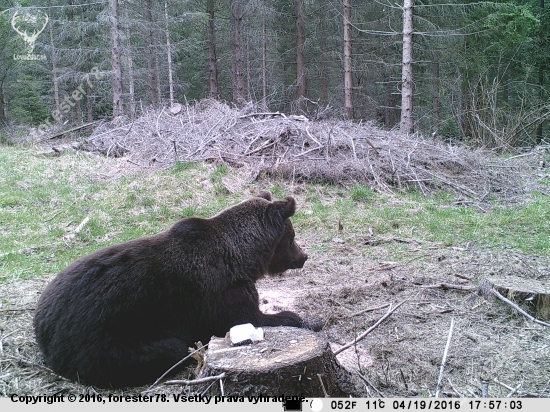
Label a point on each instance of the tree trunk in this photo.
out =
(54, 72)
(463, 108)
(213, 60)
(3, 105)
(130, 64)
(248, 77)
(89, 107)
(264, 64)
(348, 76)
(169, 54)
(157, 77)
(301, 73)
(406, 125)
(118, 108)
(539, 130)
(324, 56)
(152, 67)
(77, 105)
(436, 108)
(290, 361)
(389, 109)
(236, 20)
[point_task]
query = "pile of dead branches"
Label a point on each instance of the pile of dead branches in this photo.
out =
(329, 151)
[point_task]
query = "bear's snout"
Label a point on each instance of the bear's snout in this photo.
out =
(297, 257)
(301, 260)
(287, 256)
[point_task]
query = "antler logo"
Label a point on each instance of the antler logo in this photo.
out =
(29, 25)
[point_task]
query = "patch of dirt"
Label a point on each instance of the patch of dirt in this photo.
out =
(349, 286)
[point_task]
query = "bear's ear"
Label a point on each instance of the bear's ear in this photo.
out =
(265, 194)
(286, 207)
(277, 212)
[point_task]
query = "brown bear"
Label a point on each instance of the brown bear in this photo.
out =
(125, 314)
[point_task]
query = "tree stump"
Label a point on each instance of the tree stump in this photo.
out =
(520, 289)
(290, 362)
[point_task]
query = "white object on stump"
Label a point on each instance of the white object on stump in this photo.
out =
(246, 333)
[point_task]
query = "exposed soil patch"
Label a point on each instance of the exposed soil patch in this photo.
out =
(402, 357)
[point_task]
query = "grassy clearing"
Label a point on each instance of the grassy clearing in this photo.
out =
(413, 216)
(43, 199)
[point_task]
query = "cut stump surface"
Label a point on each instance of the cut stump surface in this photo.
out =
(289, 362)
(517, 289)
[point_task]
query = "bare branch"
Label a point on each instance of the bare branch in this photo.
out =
(196, 381)
(369, 330)
(444, 361)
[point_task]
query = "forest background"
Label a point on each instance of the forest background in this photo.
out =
(469, 71)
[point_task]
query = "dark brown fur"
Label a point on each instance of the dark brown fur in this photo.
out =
(125, 314)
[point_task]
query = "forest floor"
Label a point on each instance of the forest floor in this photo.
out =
(435, 251)
(401, 358)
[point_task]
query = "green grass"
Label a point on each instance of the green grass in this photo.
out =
(43, 199)
(526, 228)
(360, 193)
(216, 179)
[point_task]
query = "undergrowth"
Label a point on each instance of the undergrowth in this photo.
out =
(44, 199)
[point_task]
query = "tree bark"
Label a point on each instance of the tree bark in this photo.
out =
(3, 104)
(539, 130)
(54, 71)
(301, 72)
(436, 109)
(129, 64)
(212, 59)
(264, 63)
(236, 20)
(348, 75)
(168, 54)
(152, 68)
(118, 107)
(406, 125)
(89, 106)
(324, 55)
(248, 71)
(157, 77)
(77, 105)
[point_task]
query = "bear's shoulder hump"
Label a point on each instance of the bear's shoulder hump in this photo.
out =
(189, 227)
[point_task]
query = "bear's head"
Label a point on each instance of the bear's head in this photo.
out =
(287, 255)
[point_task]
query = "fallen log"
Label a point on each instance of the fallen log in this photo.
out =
(74, 129)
